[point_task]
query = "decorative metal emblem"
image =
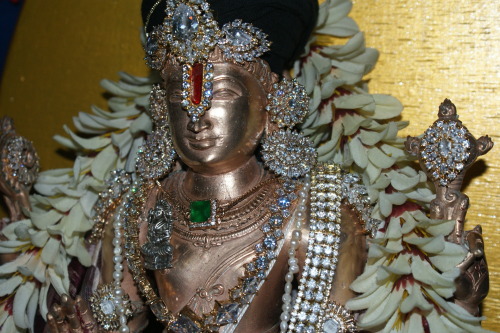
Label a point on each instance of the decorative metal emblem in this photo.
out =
(288, 103)
(338, 319)
(447, 147)
(445, 152)
(104, 308)
(157, 250)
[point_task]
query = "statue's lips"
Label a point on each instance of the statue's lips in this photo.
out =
(201, 142)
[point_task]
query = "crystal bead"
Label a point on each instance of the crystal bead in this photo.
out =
(184, 324)
(227, 314)
(185, 24)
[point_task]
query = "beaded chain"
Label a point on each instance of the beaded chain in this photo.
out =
(322, 250)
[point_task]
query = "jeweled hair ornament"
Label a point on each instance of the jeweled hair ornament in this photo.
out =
(189, 34)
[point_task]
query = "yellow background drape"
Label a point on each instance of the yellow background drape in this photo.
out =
(430, 50)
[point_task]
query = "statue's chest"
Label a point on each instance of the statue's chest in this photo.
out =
(206, 265)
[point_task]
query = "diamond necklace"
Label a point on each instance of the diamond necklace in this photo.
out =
(224, 313)
(313, 311)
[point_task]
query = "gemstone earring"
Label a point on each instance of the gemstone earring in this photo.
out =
(288, 103)
(288, 153)
(156, 157)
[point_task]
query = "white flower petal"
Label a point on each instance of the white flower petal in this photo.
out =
(21, 299)
(9, 285)
(50, 251)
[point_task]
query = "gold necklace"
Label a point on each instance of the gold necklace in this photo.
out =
(240, 296)
(211, 214)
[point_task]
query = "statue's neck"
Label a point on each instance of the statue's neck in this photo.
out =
(223, 187)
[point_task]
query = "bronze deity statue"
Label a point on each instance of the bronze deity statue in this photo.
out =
(231, 224)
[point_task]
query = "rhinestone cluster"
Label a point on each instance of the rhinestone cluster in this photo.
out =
(117, 185)
(308, 313)
(189, 32)
(156, 156)
(338, 319)
(288, 104)
(195, 111)
(356, 195)
(242, 41)
(104, 306)
(445, 150)
(158, 106)
(288, 153)
(20, 160)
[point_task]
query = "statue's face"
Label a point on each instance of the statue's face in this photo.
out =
(228, 134)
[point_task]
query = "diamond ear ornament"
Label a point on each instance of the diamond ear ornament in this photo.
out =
(288, 103)
(189, 33)
(156, 157)
(288, 152)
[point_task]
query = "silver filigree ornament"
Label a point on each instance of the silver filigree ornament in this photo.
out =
(242, 41)
(288, 103)
(156, 157)
(157, 250)
(445, 149)
(288, 153)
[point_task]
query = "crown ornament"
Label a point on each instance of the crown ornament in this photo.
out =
(188, 34)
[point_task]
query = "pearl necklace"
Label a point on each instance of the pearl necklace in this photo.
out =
(293, 263)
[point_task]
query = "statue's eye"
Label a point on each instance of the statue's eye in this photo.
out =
(226, 93)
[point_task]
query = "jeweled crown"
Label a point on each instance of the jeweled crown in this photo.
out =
(189, 34)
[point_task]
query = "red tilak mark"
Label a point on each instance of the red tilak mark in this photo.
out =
(196, 83)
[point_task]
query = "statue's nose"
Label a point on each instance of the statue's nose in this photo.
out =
(199, 125)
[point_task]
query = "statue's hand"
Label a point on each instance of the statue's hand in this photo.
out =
(473, 282)
(71, 316)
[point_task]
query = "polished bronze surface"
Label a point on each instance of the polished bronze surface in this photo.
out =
(227, 135)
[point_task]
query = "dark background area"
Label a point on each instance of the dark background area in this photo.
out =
(9, 14)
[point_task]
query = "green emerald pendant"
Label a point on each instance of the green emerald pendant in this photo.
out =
(200, 211)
